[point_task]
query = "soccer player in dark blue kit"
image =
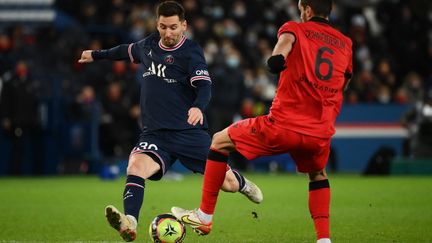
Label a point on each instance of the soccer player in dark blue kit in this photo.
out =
(175, 90)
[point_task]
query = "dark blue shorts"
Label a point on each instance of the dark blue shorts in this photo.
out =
(190, 147)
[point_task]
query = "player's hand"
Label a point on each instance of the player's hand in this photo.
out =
(86, 57)
(194, 116)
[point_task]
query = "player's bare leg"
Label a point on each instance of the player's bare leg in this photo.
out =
(236, 182)
(319, 204)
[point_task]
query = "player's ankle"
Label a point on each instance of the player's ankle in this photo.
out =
(205, 218)
(132, 219)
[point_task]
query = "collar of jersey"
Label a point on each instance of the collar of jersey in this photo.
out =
(319, 19)
(177, 46)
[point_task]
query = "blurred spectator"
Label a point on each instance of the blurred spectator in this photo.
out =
(419, 124)
(414, 87)
(82, 108)
(19, 108)
(225, 105)
(385, 74)
(117, 123)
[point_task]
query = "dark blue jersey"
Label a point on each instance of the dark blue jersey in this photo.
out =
(169, 85)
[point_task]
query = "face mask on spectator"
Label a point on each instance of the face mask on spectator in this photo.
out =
(232, 62)
(218, 12)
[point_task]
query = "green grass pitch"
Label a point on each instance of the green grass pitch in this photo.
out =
(364, 209)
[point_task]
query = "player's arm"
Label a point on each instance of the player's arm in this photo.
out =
(348, 72)
(203, 96)
(346, 83)
(201, 81)
(121, 52)
(276, 63)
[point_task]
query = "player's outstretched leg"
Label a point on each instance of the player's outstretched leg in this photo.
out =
(252, 191)
(191, 218)
(125, 224)
(246, 187)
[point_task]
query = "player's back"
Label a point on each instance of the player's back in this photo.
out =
(309, 93)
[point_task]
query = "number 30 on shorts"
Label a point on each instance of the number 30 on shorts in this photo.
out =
(147, 146)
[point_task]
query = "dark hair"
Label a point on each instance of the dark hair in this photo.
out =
(170, 8)
(319, 7)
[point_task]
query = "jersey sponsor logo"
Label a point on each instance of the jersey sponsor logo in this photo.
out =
(202, 72)
(317, 85)
(158, 70)
(170, 80)
(169, 59)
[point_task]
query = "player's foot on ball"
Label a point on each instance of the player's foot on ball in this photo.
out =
(252, 192)
(190, 217)
(125, 224)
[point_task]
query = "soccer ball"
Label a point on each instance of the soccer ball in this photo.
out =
(165, 228)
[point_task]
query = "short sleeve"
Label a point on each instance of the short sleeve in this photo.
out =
(198, 69)
(288, 27)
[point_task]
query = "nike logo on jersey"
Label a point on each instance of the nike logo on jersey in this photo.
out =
(150, 53)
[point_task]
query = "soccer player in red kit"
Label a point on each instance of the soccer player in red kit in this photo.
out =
(314, 61)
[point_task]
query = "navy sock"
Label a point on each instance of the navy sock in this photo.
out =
(240, 179)
(133, 195)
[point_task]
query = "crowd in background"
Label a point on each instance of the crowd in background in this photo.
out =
(392, 42)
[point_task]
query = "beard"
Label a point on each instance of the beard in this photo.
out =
(170, 42)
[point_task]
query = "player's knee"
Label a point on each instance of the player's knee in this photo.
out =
(133, 168)
(221, 141)
(317, 175)
(216, 140)
(143, 166)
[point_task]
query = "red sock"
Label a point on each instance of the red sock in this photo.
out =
(319, 207)
(214, 176)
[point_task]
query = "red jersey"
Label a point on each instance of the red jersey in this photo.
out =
(309, 93)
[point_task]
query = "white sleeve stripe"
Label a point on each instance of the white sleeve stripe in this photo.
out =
(197, 78)
(130, 53)
(200, 77)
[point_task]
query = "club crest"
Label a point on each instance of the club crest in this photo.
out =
(169, 59)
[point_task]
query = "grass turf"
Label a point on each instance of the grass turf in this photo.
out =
(364, 209)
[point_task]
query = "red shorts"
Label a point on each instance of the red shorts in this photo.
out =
(259, 136)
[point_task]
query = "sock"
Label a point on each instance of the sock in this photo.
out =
(319, 207)
(133, 195)
(214, 176)
(240, 178)
(205, 218)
